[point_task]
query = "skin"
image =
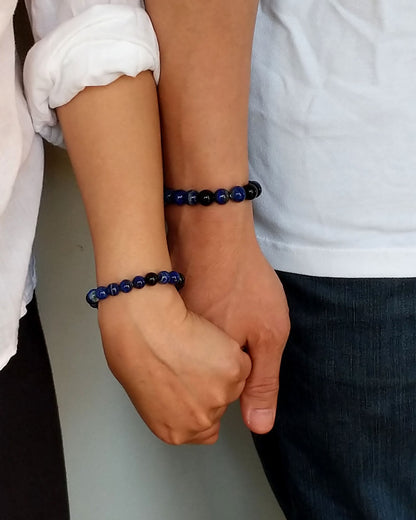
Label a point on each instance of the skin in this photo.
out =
(180, 370)
(203, 92)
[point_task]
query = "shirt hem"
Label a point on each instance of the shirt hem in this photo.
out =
(7, 354)
(340, 263)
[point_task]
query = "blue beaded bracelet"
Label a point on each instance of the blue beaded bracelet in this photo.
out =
(94, 296)
(250, 191)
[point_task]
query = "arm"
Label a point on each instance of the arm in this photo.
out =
(204, 88)
(179, 370)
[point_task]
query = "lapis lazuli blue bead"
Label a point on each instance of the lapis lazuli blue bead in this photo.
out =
(163, 277)
(139, 282)
(222, 196)
(168, 196)
(238, 194)
(192, 197)
(126, 286)
(92, 298)
(180, 197)
(113, 289)
(174, 277)
(101, 293)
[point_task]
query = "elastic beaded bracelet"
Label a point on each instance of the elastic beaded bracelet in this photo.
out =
(94, 296)
(249, 191)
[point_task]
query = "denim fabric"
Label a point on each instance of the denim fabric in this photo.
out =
(344, 442)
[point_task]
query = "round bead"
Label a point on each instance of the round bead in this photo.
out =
(92, 298)
(258, 186)
(101, 293)
(222, 196)
(174, 277)
(206, 197)
(180, 197)
(126, 286)
(112, 289)
(151, 279)
(181, 282)
(251, 191)
(238, 194)
(168, 196)
(139, 282)
(163, 277)
(192, 197)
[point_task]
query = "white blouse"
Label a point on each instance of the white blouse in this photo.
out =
(79, 43)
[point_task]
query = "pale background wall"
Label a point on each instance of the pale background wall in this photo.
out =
(117, 470)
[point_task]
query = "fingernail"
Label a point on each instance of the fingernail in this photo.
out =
(261, 419)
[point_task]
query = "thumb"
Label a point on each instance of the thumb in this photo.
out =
(259, 398)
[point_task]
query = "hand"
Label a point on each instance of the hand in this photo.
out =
(231, 284)
(179, 370)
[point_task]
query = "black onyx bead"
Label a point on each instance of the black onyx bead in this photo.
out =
(251, 191)
(168, 196)
(151, 279)
(139, 282)
(126, 286)
(181, 282)
(258, 186)
(206, 197)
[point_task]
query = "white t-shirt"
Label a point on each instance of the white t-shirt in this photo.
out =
(81, 43)
(333, 136)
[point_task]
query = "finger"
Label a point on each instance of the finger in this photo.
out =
(238, 383)
(259, 397)
(246, 364)
(207, 437)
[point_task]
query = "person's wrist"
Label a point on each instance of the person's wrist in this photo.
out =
(129, 258)
(151, 308)
(206, 225)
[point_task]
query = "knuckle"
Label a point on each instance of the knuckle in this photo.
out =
(263, 387)
(219, 398)
(173, 438)
(173, 435)
(270, 336)
(211, 440)
(202, 422)
(234, 372)
(273, 338)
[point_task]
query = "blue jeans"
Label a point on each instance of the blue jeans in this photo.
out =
(344, 442)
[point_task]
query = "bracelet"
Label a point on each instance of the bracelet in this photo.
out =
(94, 296)
(250, 191)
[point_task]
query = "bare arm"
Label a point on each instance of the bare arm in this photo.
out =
(179, 370)
(204, 89)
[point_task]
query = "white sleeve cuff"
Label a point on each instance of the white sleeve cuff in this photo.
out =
(94, 48)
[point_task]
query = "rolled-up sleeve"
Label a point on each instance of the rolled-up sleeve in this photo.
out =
(83, 43)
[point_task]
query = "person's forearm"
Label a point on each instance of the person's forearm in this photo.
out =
(113, 139)
(204, 91)
(180, 371)
(204, 88)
